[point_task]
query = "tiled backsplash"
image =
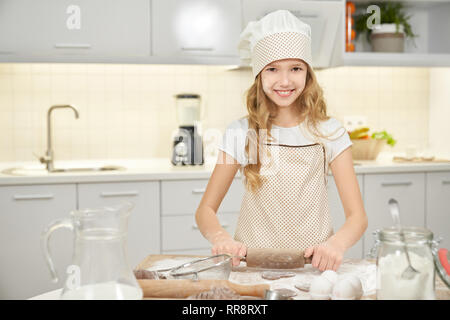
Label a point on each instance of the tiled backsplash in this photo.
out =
(128, 111)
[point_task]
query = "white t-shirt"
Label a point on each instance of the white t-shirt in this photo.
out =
(234, 138)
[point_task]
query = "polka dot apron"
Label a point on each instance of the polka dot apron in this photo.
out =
(290, 209)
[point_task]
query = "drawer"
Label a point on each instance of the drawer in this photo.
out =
(144, 221)
(183, 197)
(182, 233)
(407, 188)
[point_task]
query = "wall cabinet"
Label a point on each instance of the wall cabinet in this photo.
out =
(196, 27)
(73, 30)
(194, 31)
(25, 213)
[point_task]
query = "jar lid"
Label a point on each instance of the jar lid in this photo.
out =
(411, 234)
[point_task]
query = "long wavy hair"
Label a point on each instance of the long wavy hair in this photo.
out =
(310, 105)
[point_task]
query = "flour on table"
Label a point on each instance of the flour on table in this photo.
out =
(170, 263)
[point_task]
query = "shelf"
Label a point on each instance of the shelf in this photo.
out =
(431, 47)
(396, 59)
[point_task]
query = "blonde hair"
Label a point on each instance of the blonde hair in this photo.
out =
(310, 106)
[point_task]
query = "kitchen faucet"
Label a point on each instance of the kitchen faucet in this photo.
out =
(48, 158)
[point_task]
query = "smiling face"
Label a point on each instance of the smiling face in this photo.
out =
(284, 80)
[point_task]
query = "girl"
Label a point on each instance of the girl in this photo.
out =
(284, 147)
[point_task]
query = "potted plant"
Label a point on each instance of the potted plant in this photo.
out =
(394, 27)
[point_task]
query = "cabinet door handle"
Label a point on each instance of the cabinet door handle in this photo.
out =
(400, 183)
(197, 49)
(445, 181)
(72, 46)
(199, 190)
(119, 194)
(33, 196)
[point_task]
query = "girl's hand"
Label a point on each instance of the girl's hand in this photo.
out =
(326, 256)
(226, 244)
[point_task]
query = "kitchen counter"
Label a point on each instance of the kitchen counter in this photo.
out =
(162, 169)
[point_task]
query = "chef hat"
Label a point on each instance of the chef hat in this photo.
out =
(278, 35)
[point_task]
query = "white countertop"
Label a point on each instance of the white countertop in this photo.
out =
(162, 169)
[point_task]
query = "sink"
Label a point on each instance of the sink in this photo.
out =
(39, 171)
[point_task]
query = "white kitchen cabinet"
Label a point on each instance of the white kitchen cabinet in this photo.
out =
(25, 213)
(184, 196)
(438, 206)
(409, 191)
(338, 216)
(196, 27)
(24, 25)
(179, 202)
(144, 222)
(182, 233)
(74, 29)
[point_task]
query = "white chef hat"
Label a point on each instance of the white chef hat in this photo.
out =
(278, 35)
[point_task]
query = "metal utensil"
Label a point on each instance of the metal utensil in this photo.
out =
(409, 272)
(274, 295)
(216, 267)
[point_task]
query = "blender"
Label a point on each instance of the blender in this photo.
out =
(187, 142)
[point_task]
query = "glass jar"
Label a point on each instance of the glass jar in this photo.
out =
(392, 261)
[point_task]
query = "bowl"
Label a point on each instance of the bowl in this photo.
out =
(216, 267)
(369, 149)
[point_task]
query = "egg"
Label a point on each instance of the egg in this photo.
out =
(320, 289)
(330, 275)
(347, 288)
(356, 282)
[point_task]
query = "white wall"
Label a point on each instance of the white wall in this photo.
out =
(439, 133)
(128, 111)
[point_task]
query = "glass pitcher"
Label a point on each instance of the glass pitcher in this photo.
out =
(99, 268)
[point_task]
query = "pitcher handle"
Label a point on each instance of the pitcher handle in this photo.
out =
(45, 237)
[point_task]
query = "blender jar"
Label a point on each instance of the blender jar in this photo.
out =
(188, 109)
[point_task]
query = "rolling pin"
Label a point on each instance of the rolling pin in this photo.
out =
(181, 288)
(275, 258)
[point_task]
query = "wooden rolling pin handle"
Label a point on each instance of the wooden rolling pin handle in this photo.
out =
(185, 288)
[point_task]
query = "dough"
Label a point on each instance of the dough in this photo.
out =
(303, 286)
(275, 275)
(216, 293)
(286, 293)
